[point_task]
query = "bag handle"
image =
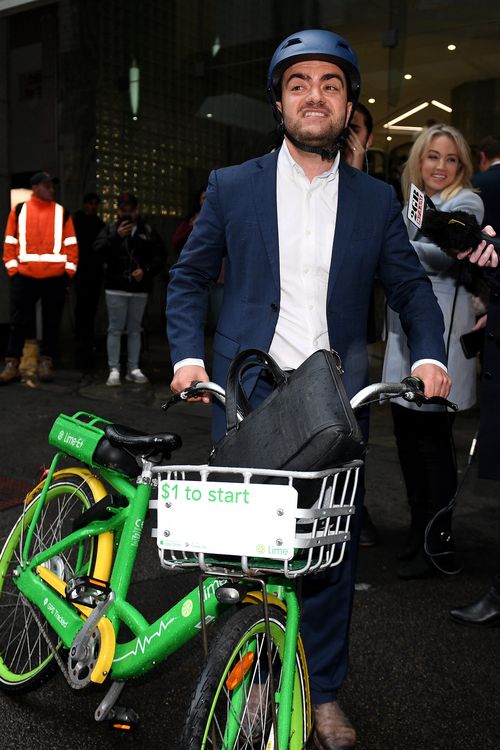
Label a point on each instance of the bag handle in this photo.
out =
(234, 390)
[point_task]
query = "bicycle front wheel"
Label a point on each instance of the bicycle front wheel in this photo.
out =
(231, 704)
(26, 659)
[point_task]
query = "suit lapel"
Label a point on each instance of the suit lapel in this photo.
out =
(264, 183)
(347, 211)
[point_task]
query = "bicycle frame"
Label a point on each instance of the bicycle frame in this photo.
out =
(152, 643)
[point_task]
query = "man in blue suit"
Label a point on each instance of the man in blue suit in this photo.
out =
(303, 236)
(488, 179)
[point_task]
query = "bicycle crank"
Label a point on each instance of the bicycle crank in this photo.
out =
(81, 668)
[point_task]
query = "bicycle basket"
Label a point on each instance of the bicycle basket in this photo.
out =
(201, 516)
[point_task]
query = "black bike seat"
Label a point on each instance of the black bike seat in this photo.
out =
(128, 437)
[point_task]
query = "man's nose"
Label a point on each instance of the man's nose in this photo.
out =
(315, 93)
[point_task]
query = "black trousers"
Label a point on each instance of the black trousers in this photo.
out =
(427, 456)
(25, 292)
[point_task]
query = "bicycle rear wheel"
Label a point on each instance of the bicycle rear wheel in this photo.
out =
(231, 706)
(26, 660)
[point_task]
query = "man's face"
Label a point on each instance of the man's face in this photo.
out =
(127, 209)
(314, 102)
(90, 208)
(359, 127)
(44, 190)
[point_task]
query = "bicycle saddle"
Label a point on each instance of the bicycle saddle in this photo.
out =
(120, 446)
(128, 437)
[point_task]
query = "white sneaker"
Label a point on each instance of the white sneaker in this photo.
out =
(114, 377)
(136, 376)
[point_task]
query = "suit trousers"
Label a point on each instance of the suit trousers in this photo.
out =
(327, 599)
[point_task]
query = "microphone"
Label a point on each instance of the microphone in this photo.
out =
(452, 231)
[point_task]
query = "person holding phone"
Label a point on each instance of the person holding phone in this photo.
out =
(440, 165)
(133, 253)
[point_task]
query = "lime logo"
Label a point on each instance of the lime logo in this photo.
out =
(187, 608)
(261, 548)
(45, 601)
(61, 435)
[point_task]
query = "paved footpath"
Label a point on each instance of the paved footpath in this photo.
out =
(416, 680)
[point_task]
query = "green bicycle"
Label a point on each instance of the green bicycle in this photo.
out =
(66, 568)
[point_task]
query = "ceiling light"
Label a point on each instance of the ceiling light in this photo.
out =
(406, 128)
(406, 114)
(452, 47)
(441, 106)
(371, 100)
(389, 138)
(408, 76)
(209, 114)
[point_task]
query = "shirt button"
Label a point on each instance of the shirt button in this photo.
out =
(274, 307)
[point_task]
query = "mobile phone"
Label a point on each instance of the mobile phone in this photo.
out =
(126, 219)
(472, 342)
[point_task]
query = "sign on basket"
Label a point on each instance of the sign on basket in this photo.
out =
(227, 518)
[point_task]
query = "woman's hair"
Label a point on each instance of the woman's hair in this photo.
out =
(412, 172)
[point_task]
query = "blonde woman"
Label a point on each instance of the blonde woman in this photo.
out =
(440, 165)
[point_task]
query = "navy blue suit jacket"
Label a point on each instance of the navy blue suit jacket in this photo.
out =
(488, 183)
(239, 222)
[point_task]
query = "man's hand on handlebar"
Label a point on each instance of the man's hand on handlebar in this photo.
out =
(187, 375)
(436, 380)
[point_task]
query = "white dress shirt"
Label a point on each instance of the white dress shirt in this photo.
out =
(307, 211)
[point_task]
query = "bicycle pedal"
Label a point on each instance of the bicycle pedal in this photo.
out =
(86, 590)
(123, 719)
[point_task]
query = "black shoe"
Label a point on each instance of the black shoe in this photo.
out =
(484, 613)
(418, 566)
(369, 535)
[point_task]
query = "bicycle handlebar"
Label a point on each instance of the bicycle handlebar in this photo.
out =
(411, 389)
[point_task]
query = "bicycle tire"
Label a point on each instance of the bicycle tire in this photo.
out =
(217, 717)
(26, 660)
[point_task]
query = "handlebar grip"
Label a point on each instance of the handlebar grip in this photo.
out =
(415, 383)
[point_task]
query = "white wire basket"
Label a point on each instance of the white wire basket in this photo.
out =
(291, 523)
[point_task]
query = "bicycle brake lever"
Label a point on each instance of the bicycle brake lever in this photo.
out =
(441, 401)
(192, 391)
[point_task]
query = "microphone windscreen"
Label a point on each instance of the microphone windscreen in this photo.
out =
(452, 231)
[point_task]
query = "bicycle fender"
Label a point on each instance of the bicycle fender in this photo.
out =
(104, 552)
(255, 597)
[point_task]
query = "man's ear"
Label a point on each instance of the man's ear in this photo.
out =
(348, 115)
(369, 141)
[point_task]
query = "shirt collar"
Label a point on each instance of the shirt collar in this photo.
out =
(286, 160)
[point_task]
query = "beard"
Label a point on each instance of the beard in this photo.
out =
(321, 137)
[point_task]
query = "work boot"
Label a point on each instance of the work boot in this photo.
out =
(45, 370)
(10, 372)
(29, 361)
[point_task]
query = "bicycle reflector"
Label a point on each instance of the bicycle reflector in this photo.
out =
(236, 675)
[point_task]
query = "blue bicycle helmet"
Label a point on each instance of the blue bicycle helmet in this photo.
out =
(313, 44)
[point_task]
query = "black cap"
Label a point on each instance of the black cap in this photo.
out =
(127, 199)
(39, 177)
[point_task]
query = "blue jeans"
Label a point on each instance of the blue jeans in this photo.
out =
(125, 313)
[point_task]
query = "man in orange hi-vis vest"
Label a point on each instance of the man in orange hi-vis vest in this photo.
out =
(40, 254)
